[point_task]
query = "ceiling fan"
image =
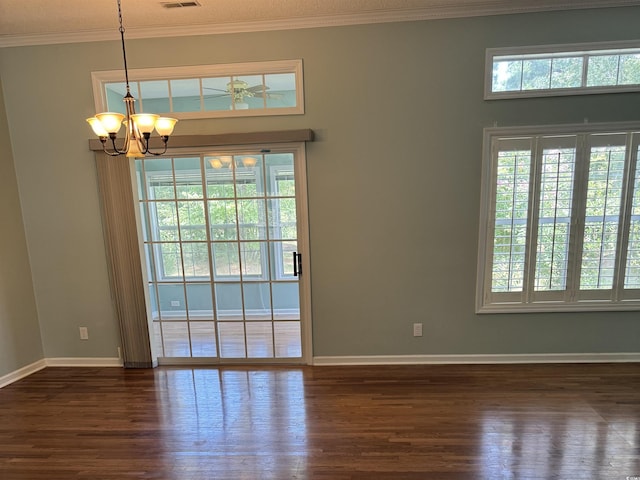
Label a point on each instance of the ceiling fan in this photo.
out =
(239, 90)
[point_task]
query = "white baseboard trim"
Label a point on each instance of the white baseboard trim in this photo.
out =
(84, 362)
(58, 362)
(478, 359)
(21, 373)
(360, 360)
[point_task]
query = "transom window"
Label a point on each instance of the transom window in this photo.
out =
(560, 220)
(562, 70)
(248, 89)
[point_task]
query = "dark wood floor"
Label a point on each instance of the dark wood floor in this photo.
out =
(565, 422)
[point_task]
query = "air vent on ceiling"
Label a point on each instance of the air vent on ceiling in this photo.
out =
(180, 4)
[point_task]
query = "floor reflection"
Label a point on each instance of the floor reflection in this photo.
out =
(542, 442)
(234, 420)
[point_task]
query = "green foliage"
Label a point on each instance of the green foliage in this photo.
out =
(526, 72)
(603, 208)
(234, 203)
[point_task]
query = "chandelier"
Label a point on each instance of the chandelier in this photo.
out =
(138, 125)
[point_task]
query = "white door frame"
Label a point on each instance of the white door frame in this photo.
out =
(304, 280)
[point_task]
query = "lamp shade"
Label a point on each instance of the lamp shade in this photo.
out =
(97, 127)
(164, 126)
(145, 121)
(110, 121)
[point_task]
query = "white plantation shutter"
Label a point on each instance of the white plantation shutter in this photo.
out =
(602, 211)
(562, 221)
(632, 273)
(555, 207)
(513, 170)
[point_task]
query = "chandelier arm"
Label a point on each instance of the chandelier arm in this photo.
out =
(113, 153)
(165, 138)
(145, 142)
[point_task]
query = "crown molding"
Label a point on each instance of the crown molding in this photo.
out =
(456, 10)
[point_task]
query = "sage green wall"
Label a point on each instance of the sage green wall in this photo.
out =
(393, 178)
(20, 343)
(46, 101)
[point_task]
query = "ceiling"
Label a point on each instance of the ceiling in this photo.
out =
(34, 22)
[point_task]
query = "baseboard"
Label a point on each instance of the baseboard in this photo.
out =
(84, 362)
(58, 362)
(478, 359)
(22, 373)
(360, 360)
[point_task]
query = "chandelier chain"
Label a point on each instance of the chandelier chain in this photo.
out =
(124, 51)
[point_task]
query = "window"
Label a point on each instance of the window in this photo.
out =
(205, 91)
(237, 207)
(562, 70)
(560, 220)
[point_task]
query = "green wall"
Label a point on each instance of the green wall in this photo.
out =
(20, 342)
(393, 177)
(46, 102)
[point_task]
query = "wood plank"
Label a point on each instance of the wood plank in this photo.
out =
(552, 422)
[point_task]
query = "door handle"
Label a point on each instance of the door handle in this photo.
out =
(297, 264)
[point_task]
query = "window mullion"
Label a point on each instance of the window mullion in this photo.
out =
(140, 99)
(578, 210)
(170, 90)
(533, 218)
(182, 255)
(210, 252)
(585, 70)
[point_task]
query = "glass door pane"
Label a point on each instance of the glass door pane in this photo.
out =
(220, 232)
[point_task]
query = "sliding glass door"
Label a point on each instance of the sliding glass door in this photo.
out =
(224, 235)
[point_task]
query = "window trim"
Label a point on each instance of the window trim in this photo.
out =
(100, 78)
(557, 50)
(589, 303)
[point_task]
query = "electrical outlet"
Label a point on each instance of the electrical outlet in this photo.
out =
(417, 329)
(84, 333)
(175, 303)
